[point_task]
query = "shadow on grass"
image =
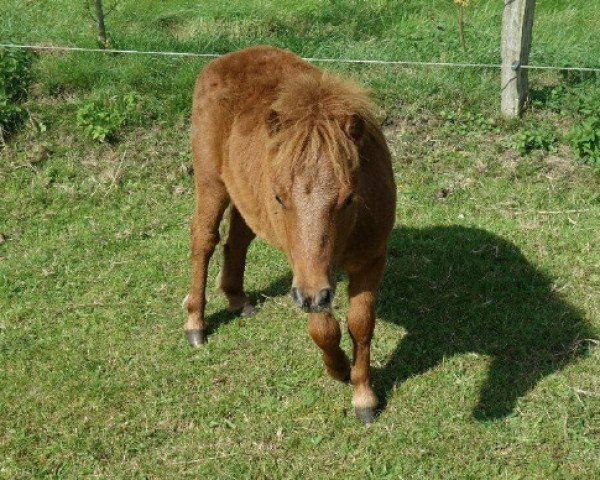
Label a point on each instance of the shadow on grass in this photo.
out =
(546, 95)
(278, 287)
(457, 289)
(575, 77)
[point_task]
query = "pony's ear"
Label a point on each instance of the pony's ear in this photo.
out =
(273, 123)
(354, 126)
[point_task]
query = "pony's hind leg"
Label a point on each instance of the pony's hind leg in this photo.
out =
(361, 323)
(212, 200)
(231, 276)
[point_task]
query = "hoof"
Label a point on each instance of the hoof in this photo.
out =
(195, 337)
(365, 415)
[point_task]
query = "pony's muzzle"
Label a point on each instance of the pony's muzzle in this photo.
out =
(313, 304)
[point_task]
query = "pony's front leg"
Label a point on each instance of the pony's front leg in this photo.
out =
(325, 331)
(361, 323)
(211, 202)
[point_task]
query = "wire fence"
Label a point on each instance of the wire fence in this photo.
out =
(69, 49)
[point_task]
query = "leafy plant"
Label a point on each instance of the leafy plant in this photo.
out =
(101, 119)
(466, 123)
(10, 114)
(15, 78)
(568, 100)
(550, 98)
(585, 140)
(538, 138)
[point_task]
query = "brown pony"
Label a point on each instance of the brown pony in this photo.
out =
(300, 160)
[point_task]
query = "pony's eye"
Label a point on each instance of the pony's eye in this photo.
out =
(279, 201)
(348, 201)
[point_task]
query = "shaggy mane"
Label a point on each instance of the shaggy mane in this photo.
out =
(313, 116)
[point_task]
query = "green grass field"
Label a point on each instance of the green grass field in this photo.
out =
(486, 352)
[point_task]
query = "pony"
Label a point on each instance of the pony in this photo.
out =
(300, 161)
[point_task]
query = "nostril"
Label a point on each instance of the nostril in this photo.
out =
(296, 296)
(324, 298)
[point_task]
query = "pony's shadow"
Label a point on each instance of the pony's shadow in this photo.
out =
(458, 289)
(279, 286)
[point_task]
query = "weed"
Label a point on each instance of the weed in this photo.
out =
(10, 115)
(536, 138)
(15, 78)
(101, 119)
(465, 123)
(564, 100)
(585, 140)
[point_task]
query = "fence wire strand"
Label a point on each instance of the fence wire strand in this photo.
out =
(309, 59)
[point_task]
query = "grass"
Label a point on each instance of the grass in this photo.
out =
(486, 350)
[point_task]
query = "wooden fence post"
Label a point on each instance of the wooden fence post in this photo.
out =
(517, 25)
